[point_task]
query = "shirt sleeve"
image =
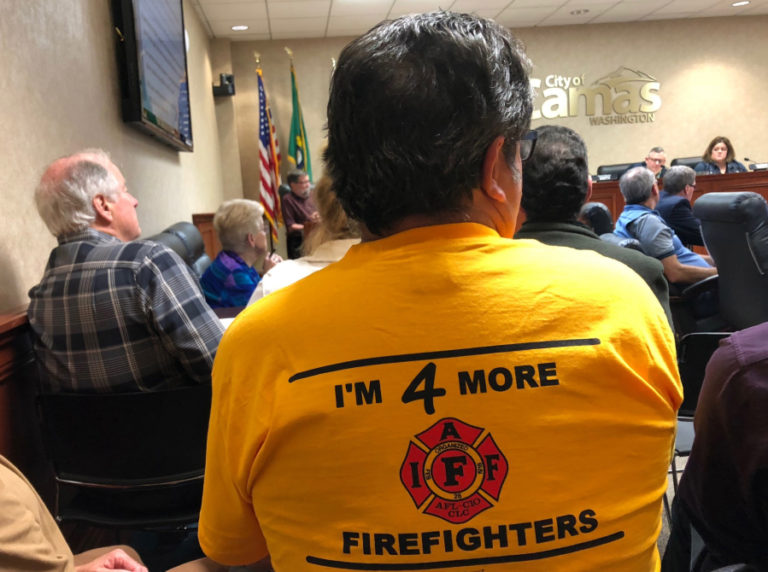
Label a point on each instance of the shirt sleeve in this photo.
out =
(229, 530)
(176, 309)
(654, 236)
(29, 537)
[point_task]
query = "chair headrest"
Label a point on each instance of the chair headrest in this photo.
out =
(191, 237)
(597, 216)
(743, 207)
(686, 161)
(615, 171)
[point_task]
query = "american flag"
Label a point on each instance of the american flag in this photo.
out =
(269, 155)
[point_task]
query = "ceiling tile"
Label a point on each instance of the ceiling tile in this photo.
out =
(290, 25)
(563, 17)
(304, 8)
(474, 6)
(523, 17)
(626, 12)
(360, 7)
(536, 4)
(403, 7)
(223, 28)
(235, 11)
(350, 24)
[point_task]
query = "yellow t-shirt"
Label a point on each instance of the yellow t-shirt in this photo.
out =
(445, 396)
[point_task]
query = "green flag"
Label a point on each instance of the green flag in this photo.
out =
(298, 146)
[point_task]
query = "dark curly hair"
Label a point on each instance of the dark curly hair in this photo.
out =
(555, 176)
(414, 105)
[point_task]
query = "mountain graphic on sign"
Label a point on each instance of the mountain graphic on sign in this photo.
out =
(623, 75)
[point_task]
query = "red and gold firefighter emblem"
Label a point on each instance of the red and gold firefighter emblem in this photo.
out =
(453, 470)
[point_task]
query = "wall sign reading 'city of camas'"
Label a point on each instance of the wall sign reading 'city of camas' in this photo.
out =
(623, 96)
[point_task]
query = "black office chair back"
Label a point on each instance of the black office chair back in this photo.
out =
(185, 240)
(596, 216)
(693, 353)
(127, 439)
(614, 171)
(735, 230)
(686, 161)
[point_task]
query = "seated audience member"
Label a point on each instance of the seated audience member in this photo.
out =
(435, 395)
(556, 183)
(719, 158)
(231, 278)
(112, 313)
(30, 539)
(655, 162)
(328, 242)
(675, 204)
(298, 209)
(639, 220)
(724, 489)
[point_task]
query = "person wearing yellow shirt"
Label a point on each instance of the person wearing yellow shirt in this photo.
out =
(446, 398)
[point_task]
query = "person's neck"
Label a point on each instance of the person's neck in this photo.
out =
(410, 222)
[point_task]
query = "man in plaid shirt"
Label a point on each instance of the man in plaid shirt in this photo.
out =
(112, 313)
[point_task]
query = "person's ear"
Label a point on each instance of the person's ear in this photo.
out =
(251, 238)
(102, 207)
(589, 189)
(494, 171)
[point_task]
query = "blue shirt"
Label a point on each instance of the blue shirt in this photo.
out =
(229, 281)
(709, 168)
(656, 237)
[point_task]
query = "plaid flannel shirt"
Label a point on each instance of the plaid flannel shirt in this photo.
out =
(120, 316)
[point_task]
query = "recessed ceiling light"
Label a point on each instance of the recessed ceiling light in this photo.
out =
(239, 28)
(737, 4)
(580, 12)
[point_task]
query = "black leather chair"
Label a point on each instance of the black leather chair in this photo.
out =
(693, 353)
(127, 460)
(613, 171)
(185, 240)
(596, 216)
(686, 161)
(735, 230)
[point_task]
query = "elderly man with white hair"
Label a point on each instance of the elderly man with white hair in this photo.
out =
(113, 313)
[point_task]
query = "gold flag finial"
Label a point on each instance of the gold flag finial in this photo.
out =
(257, 57)
(289, 51)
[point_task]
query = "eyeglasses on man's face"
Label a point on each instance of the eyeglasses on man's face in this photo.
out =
(527, 144)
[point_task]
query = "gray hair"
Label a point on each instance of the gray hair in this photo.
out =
(677, 177)
(636, 185)
(656, 150)
(65, 201)
(234, 220)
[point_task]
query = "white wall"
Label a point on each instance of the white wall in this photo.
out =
(712, 73)
(59, 93)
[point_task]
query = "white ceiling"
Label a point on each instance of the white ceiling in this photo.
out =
(281, 19)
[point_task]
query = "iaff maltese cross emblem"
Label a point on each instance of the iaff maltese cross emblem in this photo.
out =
(453, 471)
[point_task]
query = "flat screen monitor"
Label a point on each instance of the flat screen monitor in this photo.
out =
(152, 61)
